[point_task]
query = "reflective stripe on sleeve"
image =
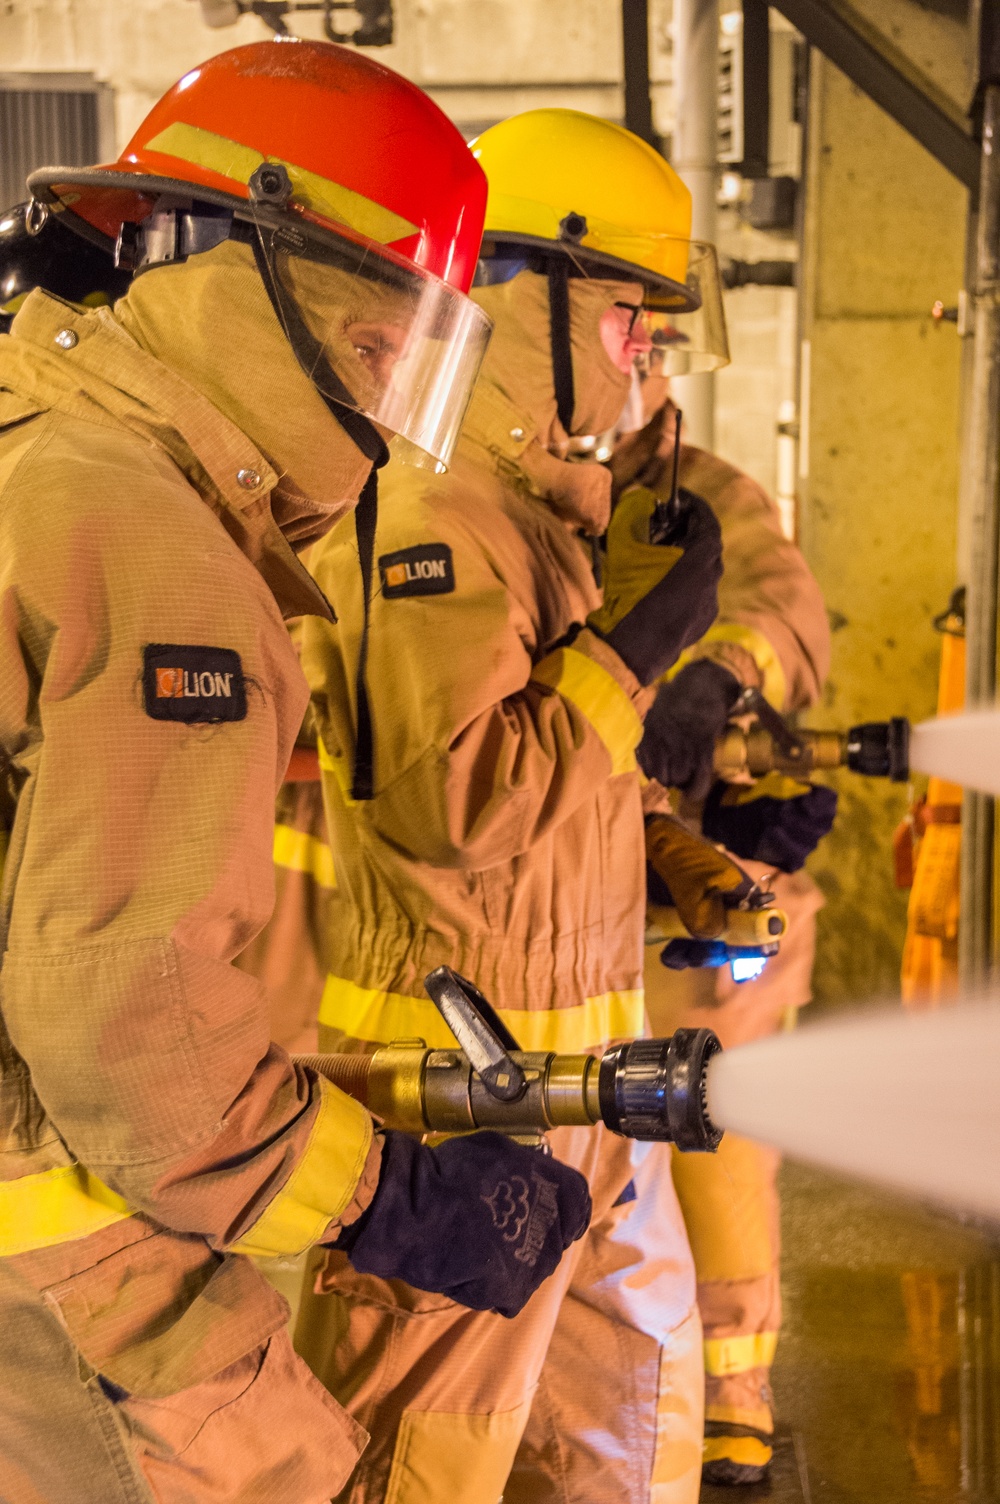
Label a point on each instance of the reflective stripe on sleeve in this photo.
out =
(598, 696)
(301, 852)
(381, 1017)
(322, 1183)
(728, 1355)
(55, 1206)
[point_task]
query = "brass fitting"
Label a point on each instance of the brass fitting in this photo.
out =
(755, 752)
(647, 1088)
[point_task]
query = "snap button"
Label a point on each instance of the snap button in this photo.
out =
(248, 479)
(517, 434)
(66, 339)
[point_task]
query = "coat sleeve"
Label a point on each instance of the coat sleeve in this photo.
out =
(139, 866)
(483, 740)
(771, 610)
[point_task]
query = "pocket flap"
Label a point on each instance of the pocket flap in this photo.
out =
(167, 1313)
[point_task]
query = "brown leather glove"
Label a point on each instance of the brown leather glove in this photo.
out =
(701, 881)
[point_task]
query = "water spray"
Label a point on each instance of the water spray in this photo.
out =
(910, 1101)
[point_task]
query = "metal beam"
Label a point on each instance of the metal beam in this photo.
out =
(978, 929)
(635, 52)
(854, 54)
(756, 89)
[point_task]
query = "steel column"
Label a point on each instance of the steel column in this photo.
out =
(976, 930)
(696, 91)
(635, 59)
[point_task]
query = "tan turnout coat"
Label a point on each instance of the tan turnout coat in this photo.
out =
(505, 835)
(149, 1133)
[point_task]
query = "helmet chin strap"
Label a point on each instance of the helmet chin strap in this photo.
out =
(363, 433)
(559, 339)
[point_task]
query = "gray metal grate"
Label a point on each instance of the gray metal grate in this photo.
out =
(43, 124)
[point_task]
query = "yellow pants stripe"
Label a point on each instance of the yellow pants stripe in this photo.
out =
(746, 1450)
(365, 1013)
(728, 1355)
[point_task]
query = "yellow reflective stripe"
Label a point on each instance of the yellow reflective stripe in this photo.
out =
(381, 1017)
(55, 1206)
(231, 159)
(322, 1183)
(746, 1450)
(729, 1355)
(598, 696)
(301, 852)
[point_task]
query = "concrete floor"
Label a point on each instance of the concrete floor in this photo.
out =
(887, 1379)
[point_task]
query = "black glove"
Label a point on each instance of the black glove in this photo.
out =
(776, 820)
(684, 722)
(479, 1218)
(685, 955)
(659, 598)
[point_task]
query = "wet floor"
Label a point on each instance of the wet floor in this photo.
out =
(887, 1379)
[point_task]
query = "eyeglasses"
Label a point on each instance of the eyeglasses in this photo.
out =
(633, 310)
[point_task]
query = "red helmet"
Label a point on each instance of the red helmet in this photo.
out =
(354, 136)
(321, 158)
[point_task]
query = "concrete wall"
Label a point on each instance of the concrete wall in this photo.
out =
(884, 238)
(481, 60)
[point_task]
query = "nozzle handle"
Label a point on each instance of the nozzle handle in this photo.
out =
(481, 1033)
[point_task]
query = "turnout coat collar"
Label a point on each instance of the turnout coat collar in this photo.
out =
(86, 365)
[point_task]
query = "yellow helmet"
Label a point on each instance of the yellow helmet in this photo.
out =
(567, 185)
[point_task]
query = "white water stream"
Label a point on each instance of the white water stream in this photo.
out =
(909, 1100)
(963, 748)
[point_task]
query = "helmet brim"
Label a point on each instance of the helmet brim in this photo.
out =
(662, 293)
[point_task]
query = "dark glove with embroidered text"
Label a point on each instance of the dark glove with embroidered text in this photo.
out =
(683, 724)
(775, 820)
(659, 598)
(479, 1218)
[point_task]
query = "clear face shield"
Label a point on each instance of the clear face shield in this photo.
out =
(682, 315)
(375, 334)
(687, 340)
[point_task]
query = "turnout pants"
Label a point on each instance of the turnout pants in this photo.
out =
(592, 1395)
(260, 1431)
(730, 1199)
